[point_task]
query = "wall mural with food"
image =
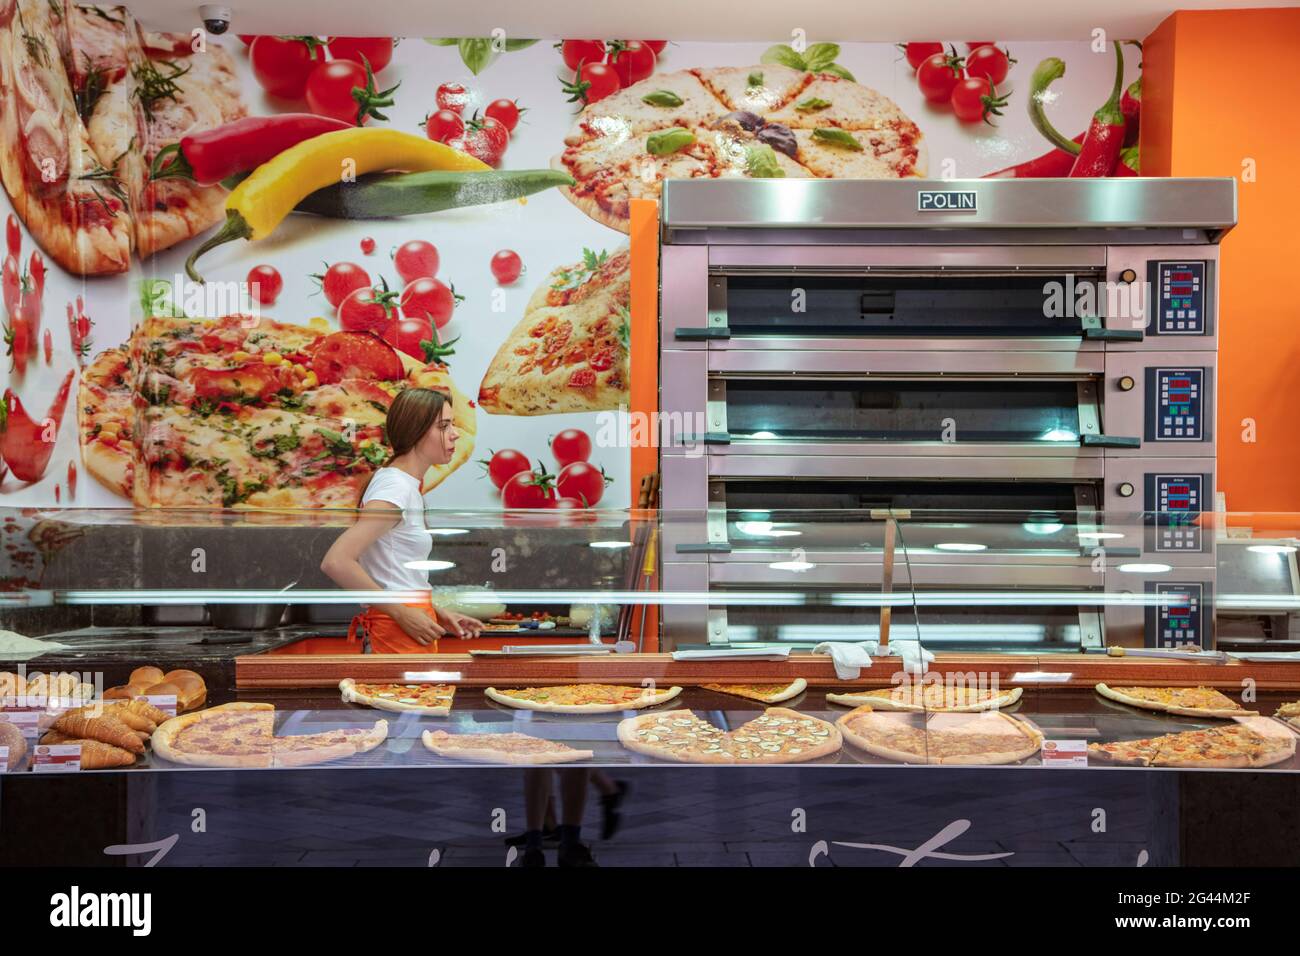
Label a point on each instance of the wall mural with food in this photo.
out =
(225, 257)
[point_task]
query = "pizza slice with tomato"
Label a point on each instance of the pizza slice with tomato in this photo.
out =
(569, 352)
(240, 413)
(73, 203)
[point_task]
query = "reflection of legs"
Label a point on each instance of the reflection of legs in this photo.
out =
(611, 797)
(537, 797)
(573, 800)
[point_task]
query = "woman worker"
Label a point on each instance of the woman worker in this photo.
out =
(384, 549)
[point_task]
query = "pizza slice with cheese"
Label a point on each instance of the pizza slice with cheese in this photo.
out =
(569, 352)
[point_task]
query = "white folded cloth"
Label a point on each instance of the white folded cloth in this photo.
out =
(850, 658)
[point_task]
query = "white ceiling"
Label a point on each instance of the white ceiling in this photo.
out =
(719, 20)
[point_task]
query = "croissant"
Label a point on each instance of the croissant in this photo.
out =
(142, 708)
(54, 737)
(126, 715)
(107, 729)
(96, 754)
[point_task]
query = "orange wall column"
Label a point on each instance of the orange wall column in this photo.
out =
(1219, 99)
(644, 371)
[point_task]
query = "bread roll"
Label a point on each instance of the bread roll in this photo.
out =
(188, 695)
(120, 692)
(146, 676)
(12, 737)
(172, 675)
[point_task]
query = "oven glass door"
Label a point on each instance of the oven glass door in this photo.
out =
(1036, 412)
(950, 305)
(1029, 630)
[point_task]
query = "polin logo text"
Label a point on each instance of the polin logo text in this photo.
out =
(946, 200)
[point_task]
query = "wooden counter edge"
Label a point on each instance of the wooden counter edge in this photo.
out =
(326, 670)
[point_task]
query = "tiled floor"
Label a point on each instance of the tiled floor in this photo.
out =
(672, 817)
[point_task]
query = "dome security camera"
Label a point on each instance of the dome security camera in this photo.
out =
(216, 19)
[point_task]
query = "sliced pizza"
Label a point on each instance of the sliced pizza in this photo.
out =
(1290, 713)
(582, 698)
(672, 99)
(1248, 744)
(931, 697)
(74, 205)
(991, 737)
(1185, 701)
(432, 699)
(779, 735)
(501, 748)
(569, 352)
(767, 693)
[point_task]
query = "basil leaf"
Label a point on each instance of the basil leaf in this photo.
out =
(756, 78)
(475, 52)
(761, 163)
(841, 139)
(834, 69)
(784, 55)
(662, 98)
(812, 105)
(442, 41)
(669, 141)
(820, 55)
(512, 45)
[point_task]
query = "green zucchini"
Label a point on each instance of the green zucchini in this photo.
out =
(385, 195)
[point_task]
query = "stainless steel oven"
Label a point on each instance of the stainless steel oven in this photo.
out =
(1045, 361)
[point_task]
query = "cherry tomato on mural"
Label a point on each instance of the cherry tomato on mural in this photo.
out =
(378, 51)
(47, 343)
(282, 64)
(367, 245)
(583, 481)
(918, 53)
(431, 299)
(12, 283)
(406, 334)
(368, 310)
(247, 38)
(341, 280)
(580, 513)
(265, 283)
(976, 44)
(989, 62)
(578, 52)
(13, 236)
(452, 96)
(416, 259)
(571, 445)
(329, 89)
(632, 60)
(656, 45)
(36, 269)
(507, 266)
(444, 126)
(72, 479)
(17, 336)
(505, 464)
(505, 112)
(529, 489)
(593, 83)
(484, 139)
(938, 75)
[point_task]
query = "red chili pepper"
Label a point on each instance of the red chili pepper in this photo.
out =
(216, 154)
(1099, 152)
(27, 445)
(1131, 106)
(1051, 165)
(1128, 164)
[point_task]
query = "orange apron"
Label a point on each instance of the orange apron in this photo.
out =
(386, 637)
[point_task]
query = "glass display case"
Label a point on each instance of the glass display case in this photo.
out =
(904, 651)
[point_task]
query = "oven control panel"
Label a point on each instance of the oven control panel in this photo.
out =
(1175, 404)
(1173, 505)
(1178, 298)
(1177, 615)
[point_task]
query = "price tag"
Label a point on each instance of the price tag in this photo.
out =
(164, 702)
(56, 758)
(27, 721)
(1065, 754)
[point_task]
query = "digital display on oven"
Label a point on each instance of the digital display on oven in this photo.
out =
(1178, 294)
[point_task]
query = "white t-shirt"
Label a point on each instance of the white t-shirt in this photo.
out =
(385, 560)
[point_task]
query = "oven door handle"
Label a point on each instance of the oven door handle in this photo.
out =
(1094, 331)
(694, 334)
(708, 438)
(1109, 441)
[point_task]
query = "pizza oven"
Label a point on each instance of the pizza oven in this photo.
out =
(1024, 369)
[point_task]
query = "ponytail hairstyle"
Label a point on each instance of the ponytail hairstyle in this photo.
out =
(410, 417)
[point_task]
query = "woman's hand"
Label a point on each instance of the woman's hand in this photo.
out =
(416, 624)
(459, 625)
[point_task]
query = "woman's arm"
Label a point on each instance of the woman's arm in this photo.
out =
(342, 562)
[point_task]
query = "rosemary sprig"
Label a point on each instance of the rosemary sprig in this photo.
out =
(90, 92)
(100, 12)
(154, 84)
(35, 45)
